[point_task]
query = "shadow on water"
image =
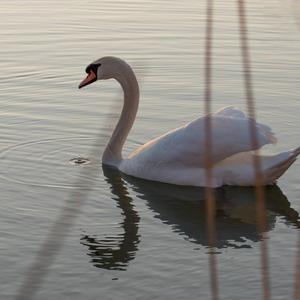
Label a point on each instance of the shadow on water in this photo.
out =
(183, 208)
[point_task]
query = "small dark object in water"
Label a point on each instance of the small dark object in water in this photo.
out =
(79, 161)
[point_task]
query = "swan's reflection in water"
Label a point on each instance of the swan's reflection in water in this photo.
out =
(114, 253)
(183, 208)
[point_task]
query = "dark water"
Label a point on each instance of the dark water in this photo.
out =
(136, 239)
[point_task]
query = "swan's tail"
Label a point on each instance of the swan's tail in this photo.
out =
(280, 163)
(296, 151)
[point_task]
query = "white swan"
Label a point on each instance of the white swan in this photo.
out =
(177, 157)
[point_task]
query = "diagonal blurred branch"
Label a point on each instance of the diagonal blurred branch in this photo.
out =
(62, 226)
(59, 230)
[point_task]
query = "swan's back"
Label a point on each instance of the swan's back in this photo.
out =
(178, 156)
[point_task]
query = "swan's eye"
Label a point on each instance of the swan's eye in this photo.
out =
(93, 67)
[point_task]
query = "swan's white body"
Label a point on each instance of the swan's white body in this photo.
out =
(177, 157)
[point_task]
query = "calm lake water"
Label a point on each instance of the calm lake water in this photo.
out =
(136, 239)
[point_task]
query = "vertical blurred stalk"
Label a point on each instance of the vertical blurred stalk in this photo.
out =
(260, 192)
(209, 193)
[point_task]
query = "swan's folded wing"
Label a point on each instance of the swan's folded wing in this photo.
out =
(186, 145)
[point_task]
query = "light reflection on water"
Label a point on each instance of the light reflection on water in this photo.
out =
(150, 236)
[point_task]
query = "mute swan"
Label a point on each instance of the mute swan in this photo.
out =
(177, 157)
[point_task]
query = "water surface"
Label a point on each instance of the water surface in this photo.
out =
(136, 239)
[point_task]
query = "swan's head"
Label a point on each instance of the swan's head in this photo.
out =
(104, 68)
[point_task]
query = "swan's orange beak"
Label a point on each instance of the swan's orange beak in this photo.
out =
(91, 77)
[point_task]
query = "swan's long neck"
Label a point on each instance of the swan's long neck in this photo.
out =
(113, 152)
